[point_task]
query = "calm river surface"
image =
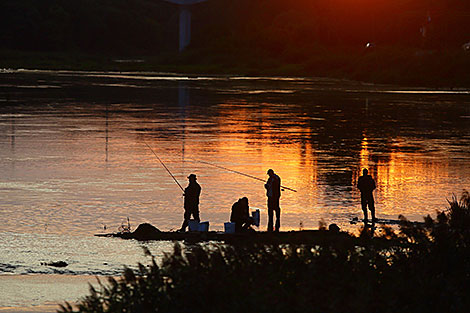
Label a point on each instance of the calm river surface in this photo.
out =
(74, 160)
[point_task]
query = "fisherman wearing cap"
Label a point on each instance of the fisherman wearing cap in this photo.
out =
(191, 201)
(273, 191)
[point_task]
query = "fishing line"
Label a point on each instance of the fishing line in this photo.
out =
(165, 167)
(237, 172)
(214, 165)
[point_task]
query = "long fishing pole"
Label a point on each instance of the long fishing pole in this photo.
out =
(165, 167)
(238, 172)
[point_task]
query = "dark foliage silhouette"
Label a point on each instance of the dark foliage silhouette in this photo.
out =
(424, 269)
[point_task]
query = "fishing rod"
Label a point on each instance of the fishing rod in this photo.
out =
(165, 167)
(237, 172)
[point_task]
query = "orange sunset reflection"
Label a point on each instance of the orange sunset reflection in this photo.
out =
(241, 145)
(91, 166)
(405, 182)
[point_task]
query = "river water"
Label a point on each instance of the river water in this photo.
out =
(74, 159)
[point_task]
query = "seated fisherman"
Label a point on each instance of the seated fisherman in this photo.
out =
(240, 215)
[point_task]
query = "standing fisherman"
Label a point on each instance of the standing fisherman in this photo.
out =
(366, 185)
(191, 201)
(273, 191)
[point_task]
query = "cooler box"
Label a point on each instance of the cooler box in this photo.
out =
(193, 225)
(204, 226)
(255, 216)
(229, 228)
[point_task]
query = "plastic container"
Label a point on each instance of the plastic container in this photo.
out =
(255, 216)
(204, 226)
(229, 228)
(193, 225)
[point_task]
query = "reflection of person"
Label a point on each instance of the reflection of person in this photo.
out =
(191, 201)
(273, 191)
(366, 185)
(241, 215)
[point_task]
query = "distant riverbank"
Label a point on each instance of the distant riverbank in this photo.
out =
(387, 65)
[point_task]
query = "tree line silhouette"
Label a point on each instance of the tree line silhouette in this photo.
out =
(292, 28)
(413, 42)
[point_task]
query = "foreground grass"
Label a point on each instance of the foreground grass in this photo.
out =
(427, 270)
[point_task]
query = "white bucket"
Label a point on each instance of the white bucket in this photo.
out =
(255, 216)
(204, 226)
(193, 225)
(229, 228)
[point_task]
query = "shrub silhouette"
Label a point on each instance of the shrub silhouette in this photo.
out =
(421, 268)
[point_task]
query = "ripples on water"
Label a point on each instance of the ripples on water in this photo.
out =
(73, 158)
(25, 255)
(85, 255)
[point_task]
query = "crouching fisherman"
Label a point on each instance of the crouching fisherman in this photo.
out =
(191, 201)
(241, 216)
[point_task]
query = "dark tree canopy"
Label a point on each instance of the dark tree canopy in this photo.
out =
(267, 26)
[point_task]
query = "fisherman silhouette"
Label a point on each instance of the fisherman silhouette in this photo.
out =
(273, 191)
(366, 185)
(191, 201)
(240, 215)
